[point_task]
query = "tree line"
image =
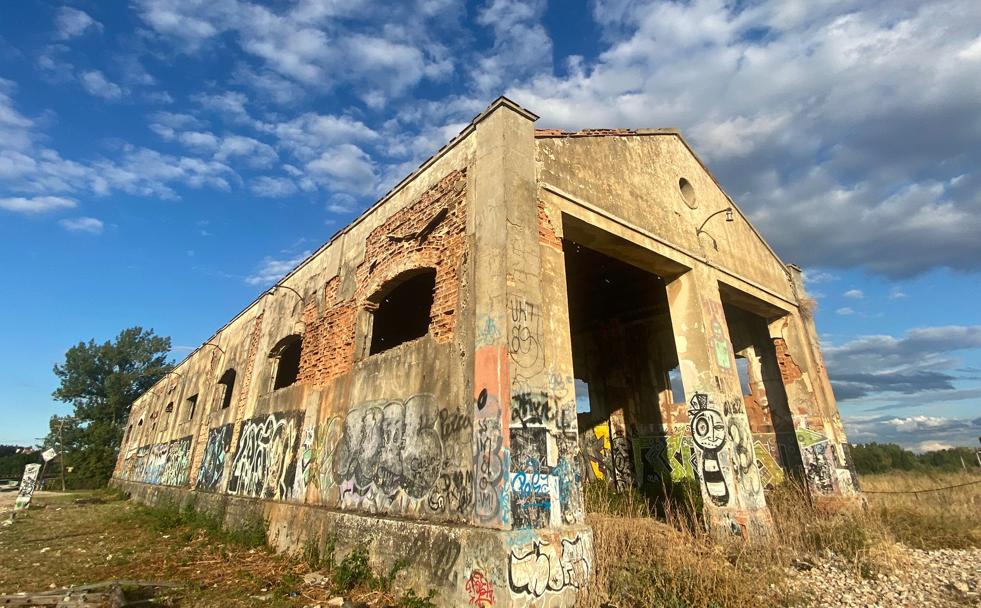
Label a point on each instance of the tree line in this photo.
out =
(886, 457)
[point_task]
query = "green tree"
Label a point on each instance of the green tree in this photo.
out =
(101, 381)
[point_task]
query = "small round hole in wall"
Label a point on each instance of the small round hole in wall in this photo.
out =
(687, 192)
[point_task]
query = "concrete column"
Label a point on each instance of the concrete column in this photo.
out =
(817, 424)
(519, 484)
(726, 464)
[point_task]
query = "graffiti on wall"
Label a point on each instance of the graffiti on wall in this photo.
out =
(388, 447)
(212, 466)
(708, 432)
(531, 501)
(744, 455)
(490, 467)
(265, 459)
(480, 589)
(663, 460)
(541, 566)
(816, 452)
(771, 473)
(491, 454)
(524, 339)
(595, 447)
(156, 460)
(177, 468)
(621, 457)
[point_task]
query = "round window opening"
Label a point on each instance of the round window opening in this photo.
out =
(687, 192)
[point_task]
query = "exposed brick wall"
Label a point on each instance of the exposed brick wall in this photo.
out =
(246, 377)
(789, 370)
(328, 340)
(546, 231)
(428, 233)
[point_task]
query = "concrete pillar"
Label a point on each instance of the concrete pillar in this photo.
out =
(732, 491)
(817, 424)
(522, 386)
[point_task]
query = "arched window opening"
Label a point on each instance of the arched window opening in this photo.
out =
(170, 407)
(224, 389)
(403, 311)
(285, 358)
(129, 431)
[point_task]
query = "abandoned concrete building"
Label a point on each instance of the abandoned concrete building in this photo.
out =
(529, 311)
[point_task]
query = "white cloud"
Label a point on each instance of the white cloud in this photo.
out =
(230, 104)
(309, 44)
(345, 168)
(762, 92)
(37, 204)
(271, 270)
(96, 84)
(845, 311)
(253, 151)
(897, 294)
(272, 187)
(89, 225)
(855, 294)
(919, 433)
(932, 446)
(72, 22)
(815, 277)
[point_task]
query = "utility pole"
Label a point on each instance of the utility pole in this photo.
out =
(61, 445)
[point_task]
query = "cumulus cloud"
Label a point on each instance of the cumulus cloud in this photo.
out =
(71, 22)
(919, 433)
(271, 269)
(88, 225)
(920, 362)
(762, 90)
(37, 204)
(272, 187)
(97, 85)
(344, 168)
(314, 44)
(855, 294)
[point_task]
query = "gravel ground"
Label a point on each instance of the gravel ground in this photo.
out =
(943, 578)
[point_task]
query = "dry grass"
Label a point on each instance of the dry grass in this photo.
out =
(670, 561)
(932, 520)
(58, 543)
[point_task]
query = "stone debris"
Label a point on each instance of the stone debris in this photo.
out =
(939, 579)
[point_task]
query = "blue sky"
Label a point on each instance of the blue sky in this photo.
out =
(162, 161)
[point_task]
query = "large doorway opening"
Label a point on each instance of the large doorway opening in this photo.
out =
(764, 396)
(630, 403)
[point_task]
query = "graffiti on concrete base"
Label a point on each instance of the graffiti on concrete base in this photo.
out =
(480, 589)
(541, 566)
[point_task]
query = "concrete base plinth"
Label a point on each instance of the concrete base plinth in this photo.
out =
(465, 565)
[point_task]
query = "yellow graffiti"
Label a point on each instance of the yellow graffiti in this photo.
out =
(602, 433)
(771, 473)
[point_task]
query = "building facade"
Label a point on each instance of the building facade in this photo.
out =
(528, 311)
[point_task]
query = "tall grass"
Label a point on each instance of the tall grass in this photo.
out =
(670, 560)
